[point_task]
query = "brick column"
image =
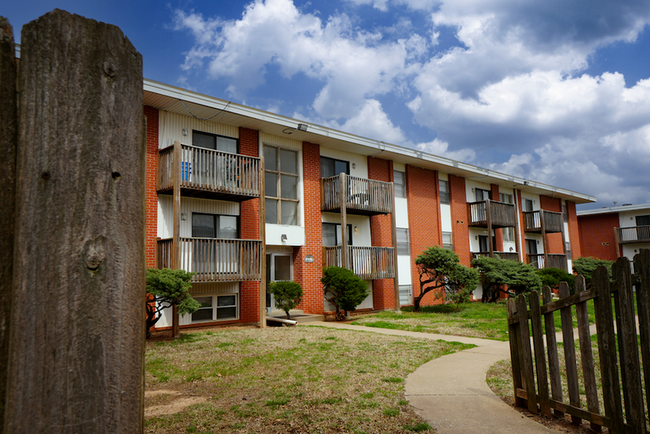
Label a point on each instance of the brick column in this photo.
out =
(424, 220)
(151, 194)
(460, 219)
(309, 274)
(249, 292)
(382, 235)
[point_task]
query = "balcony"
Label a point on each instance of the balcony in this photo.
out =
(635, 234)
(366, 262)
(499, 214)
(512, 256)
(543, 221)
(359, 195)
(554, 261)
(209, 173)
(214, 260)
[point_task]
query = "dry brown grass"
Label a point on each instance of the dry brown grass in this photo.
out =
(284, 380)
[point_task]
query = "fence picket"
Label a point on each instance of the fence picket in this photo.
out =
(586, 354)
(569, 352)
(627, 345)
(607, 349)
(513, 337)
(551, 348)
(525, 354)
(540, 362)
(642, 269)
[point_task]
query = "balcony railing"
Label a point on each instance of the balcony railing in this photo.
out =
(214, 260)
(362, 196)
(513, 256)
(502, 214)
(553, 221)
(636, 234)
(554, 261)
(210, 171)
(366, 262)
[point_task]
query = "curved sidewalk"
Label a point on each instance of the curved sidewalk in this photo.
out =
(450, 392)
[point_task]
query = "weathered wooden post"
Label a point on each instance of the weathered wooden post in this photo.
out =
(8, 140)
(77, 329)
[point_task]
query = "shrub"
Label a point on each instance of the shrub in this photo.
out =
(553, 276)
(287, 295)
(343, 289)
(168, 288)
(498, 274)
(588, 265)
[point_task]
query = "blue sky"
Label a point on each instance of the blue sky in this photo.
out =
(555, 91)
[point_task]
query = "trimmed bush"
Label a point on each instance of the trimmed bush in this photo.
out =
(287, 295)
(343, 289)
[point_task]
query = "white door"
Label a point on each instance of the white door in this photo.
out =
(278, 267)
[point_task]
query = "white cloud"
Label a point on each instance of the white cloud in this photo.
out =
(438, 147)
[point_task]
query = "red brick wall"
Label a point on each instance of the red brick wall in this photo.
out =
(151, 195)
(309, 274)
(249, 292)
(382, 235)
(597, 236)
(574, 231)
(424, 219)
(460, 219)
(554, 242)
(498, 233)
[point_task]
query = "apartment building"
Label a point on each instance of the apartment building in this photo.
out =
(243, 197)
(608, 233)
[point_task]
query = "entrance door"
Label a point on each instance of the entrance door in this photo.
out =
(278, 267)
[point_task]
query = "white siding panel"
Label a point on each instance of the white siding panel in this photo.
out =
(445, 217)
(209, 288)
(471, 185)
(188, 206)
(362, 235)
(400, 167)
(171, 128)
(401, 212)
(284, 142)
(404, 269)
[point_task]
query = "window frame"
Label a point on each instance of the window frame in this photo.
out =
(214, 300)
(400, 244)
(216, 218)
(401, 191)
(450, 245)
(334, 160)
(336, 234)
(277, 171)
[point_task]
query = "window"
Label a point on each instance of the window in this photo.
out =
(509, 234)
(213, 141)
(225, 308)
(400, 183)
(482, 194)
(568, 249)
(281, 179)
(447, 241)
(332, 167)
(528, 205)
(214, 226)
(565, 213)
(402, 241)
(444, 191)
(405, 295)
(505, 198)
(332, 235)
(642, 220)
(483, 245)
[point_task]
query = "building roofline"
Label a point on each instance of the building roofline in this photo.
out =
(614, 209)
(407, 155)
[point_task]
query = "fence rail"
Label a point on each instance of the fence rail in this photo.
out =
(210, 170)
(366, 262)
(363, 195)
(636, 234)
(535, 367)
(502, 214)
(214, 260)
(553, 221)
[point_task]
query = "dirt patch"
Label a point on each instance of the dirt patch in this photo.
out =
(165, 401)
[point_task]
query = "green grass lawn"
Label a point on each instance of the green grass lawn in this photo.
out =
(281, 380)
(479, 320)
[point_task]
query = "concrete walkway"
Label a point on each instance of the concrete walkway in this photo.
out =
(450, 392)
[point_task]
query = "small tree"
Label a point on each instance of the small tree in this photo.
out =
(343, 289)
(168, 288)
(287, 295)
(553, 276)
(507, 276)
(440, 268)
(588, 265)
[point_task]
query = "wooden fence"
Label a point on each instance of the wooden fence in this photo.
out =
(499, 213)
(533, 368)
(366, 196)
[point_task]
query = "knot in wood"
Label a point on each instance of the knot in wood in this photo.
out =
(95, 252)
(109, 69)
